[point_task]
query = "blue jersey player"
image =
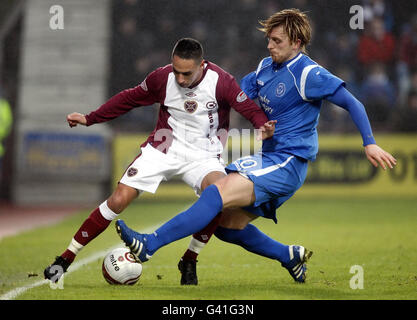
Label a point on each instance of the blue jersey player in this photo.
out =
(290, 88)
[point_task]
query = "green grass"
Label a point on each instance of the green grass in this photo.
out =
(377, 234)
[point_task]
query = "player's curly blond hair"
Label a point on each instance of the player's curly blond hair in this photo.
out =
(295, 23)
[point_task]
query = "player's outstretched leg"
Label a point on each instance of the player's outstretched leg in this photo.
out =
(184, 224)
(293, 258)
(134, 240)
(297, 266)
(188, 263)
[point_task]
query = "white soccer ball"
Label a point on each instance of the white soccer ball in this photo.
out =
(120, 267)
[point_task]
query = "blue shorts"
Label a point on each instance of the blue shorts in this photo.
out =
(276, 177)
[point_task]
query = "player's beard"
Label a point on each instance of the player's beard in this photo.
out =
(279, 58)
(276, 57)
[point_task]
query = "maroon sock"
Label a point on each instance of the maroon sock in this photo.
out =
(203, 236)
(190, 255)
(91, 228)
(68, 255)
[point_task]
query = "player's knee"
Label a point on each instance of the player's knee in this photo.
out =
(235, 190)
(223, 188)
(211, 178)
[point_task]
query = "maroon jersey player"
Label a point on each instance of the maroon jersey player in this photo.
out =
(195, 98)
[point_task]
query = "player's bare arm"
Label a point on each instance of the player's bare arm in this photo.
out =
(377, 156)
(76, 118)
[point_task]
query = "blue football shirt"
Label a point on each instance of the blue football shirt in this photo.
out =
(291, 93)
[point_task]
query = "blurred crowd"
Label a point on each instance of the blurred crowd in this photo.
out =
(378, 62)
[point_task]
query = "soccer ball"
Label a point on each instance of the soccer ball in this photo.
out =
(120, 267)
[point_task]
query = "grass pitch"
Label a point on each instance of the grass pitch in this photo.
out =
(379, 235)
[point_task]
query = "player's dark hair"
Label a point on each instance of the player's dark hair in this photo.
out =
(188, 48)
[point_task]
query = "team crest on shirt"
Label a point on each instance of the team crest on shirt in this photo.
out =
(241, 97)
(211, 105)
(280, 89)
(132, 172)
(190, 106)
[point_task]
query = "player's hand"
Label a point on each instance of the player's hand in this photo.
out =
(266, 131)
(378, 156)
(76, 118)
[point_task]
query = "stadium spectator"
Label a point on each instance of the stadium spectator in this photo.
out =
(337, 119)
(376, 44)
(413, 81)
(291, 88)
(227, 30)
(195, 97)
(406, 117)
(408, 45)
(378, 94)
(343, 53)
(407, 58)
(123, 61)
(378, 9)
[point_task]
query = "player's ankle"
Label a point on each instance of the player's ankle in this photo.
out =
(190, 256)
(68, 255)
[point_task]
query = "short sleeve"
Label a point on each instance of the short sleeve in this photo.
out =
(249, 86)
(319, 83)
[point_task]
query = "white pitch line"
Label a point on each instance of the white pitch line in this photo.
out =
(12, 294)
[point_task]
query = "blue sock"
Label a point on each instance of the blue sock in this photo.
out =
(188, 222)
(254, 240)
